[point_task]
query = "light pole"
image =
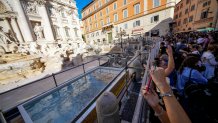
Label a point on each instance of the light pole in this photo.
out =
(120, 36)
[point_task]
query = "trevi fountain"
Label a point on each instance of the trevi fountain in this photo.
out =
(37, 38)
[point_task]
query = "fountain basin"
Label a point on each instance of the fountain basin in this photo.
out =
(65, 102)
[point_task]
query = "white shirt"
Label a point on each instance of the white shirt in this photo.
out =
(200, 40)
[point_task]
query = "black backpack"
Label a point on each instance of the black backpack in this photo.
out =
(193, 90)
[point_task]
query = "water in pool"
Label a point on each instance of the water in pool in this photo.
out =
(63, 105)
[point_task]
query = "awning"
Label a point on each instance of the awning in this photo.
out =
(205, 29)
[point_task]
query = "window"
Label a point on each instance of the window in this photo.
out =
(95, 17)
(205, 4)
(177, 8)
(125, 26)
(155, 18)
(179, 23)
(100, 13)
(208, 3)
(115, 17)
(180, 14)
(156, 3)
(124, 2)
(96, 25)
(115, 6)
(106, 1)
(108, 20)
(176, 16)
(186, 11)
(136, 23)
(204, 14)
(125, 13)
(187, 1)
(136, 9)
(99, 3)
(181, 6)
(185, 21)
(102, 23)
(107, 10)
(67, 31)
(90, 19)
(94, 7)
(76, 32)
(89, 10)
(190, 19)
(192, 7)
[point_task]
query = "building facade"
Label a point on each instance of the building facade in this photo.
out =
(103, 19)
(43, 22)
(195, 15)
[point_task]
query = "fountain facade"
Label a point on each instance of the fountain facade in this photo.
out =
(37, 37)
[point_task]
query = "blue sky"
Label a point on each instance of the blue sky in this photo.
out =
(80, 4)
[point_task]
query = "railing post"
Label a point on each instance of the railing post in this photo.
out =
(54, 80)
(84, 69)
(127, 93)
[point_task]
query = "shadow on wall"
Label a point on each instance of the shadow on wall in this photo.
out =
(162, 28)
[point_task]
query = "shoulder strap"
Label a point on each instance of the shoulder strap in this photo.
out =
(190, 75)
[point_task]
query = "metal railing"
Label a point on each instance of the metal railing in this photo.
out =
(123, 70)
(140, 115)
(125, 89)
(12, 98)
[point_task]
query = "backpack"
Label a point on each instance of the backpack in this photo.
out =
(193, 90)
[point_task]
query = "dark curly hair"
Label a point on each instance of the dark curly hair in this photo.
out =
(190, 62)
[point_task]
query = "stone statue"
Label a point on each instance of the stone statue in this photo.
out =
(53, 11)
(38, 31)
(4, 39)
(31, 8)
(12, 36)
(34, 48)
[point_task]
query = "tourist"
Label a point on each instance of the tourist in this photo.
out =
(194, 49)
(174, 111)
(209, 60)
(188, 72)
(200, 40)
(162, 48)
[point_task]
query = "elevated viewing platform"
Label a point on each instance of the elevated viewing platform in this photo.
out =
(74, 91)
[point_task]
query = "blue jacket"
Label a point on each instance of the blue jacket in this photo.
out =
(196, 77)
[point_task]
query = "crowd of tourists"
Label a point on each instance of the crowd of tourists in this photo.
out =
(185, 79)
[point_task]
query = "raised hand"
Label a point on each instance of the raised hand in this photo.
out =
(151, 97)
(158, 76)
(169, 50)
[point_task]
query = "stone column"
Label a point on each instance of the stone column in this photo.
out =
(23, 22)
(16, 30)
(48, 32)
(62, 31)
